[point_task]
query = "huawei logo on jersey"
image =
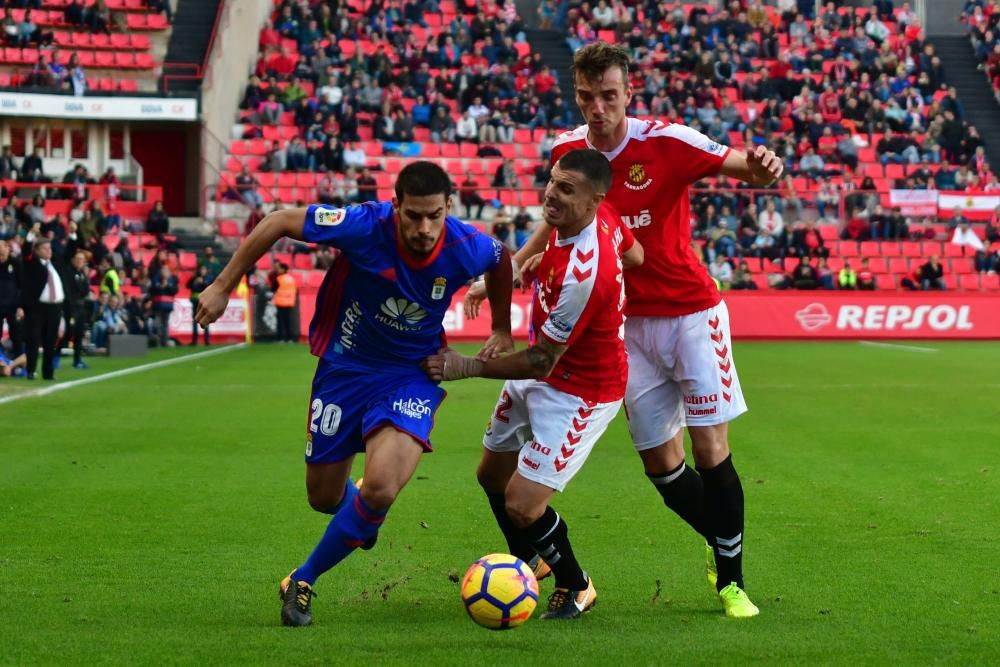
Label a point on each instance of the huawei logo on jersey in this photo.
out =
(637, 178)
(399, 313)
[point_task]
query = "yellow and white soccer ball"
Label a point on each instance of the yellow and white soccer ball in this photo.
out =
(499, 591)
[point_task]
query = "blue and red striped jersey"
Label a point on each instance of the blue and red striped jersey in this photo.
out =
(378, 306)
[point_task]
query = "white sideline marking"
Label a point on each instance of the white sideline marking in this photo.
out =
(45, 391)
(897, 346)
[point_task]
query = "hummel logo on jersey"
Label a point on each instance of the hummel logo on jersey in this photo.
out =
(644, 219)
(398, 313)
(416, 408)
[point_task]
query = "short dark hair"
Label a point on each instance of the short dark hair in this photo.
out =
(592, 164)
(423, 179)
(593, 60)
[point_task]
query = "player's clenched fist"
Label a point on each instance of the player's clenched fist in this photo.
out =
(211, 304)
(448, 365)
(765, 164)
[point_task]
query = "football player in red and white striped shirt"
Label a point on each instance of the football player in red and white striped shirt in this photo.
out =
(563, 391)
(681, 369)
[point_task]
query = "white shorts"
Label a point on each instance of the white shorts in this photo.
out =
(553, 431)
(680, 372)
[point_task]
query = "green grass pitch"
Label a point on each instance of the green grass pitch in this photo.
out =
(147, 519)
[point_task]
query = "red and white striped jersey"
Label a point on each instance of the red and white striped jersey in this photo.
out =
(651, 171)
(579, 302)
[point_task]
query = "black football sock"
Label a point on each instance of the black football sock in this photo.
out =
(550, 536)
(683, 491)
(517, 544)
(724, 516)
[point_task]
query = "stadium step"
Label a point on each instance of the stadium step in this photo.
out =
(194, 21)
(977, 96)
(551, 44)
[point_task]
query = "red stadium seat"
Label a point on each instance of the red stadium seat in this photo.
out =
(887, 282)
(189, 261)
(969, 281)
(890, 249)
(870, 249)
(878, 264)
(229, 228)
(303, 262)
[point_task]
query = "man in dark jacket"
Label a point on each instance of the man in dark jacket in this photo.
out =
(79, 304)
(10, 297)
(42, 298)
(163, 288)
(932, 274)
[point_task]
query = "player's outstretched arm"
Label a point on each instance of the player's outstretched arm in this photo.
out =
(499, 283)
(536, 362)
(634, 256)
(760, 166)
(213, 300)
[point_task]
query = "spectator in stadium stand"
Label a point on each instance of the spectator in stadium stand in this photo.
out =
(743, 277)
(256, 215)
(11, 311)
(110, 281)
(857, 228)
(80, 305)
(965, 237)
(722, 271)
(270, 110)
(524, 226)
(8, 170)
(812, 165)
(275, 159)
(210, 262)
(32, 169)
(355, 157)
(442, 126)
(770, 220)
(77, 76)
(367, 186)
(197, 284)
(804, 276)
(284, 302)
(246, 186)
(847, 277)
(161, 7)
(349, 125)
(157, 220)
(505, 176)
(73, 12)
(110, 320)
(469, 197)
(931, 274)
(467, 129)
(163, 289)
(297, 155)
(98, 17)
(823, 274)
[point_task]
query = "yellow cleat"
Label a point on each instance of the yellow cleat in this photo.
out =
(540, 568)
(736, 602)
(710, 572)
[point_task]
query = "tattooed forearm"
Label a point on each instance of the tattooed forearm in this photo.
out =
(540, 358)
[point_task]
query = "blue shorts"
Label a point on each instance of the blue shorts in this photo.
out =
(348, 404)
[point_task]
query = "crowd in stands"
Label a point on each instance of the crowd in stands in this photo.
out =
(853, 99)
(100, 27)
(981, 18)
